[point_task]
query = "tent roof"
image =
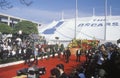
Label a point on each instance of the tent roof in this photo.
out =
(86, 28)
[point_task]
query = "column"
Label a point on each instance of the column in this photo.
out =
(8, 21)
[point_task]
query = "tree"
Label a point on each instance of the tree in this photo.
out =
(5, 29)
(6, 4)
(27, 27)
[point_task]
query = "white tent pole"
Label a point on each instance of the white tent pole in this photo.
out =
(75, 20)
(93, 11)
(105, 20)
(110, 11)
(62, 15)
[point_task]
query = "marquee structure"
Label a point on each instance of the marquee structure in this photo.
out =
(86, 28)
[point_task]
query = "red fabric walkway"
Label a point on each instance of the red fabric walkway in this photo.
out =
(10, 71)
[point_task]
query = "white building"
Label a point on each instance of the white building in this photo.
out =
(12, 20)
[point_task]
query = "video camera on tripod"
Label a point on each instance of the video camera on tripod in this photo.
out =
(32, 72)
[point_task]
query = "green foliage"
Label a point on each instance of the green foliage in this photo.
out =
(75, 43)
(8, 60)
(27, 27)
(5, 29)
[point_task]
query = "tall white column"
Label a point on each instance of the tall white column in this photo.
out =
(8, 21)
(93, 11)
(76, 15)
(110, 11)
(105, 20)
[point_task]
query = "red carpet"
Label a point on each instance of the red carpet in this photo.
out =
(10, 71)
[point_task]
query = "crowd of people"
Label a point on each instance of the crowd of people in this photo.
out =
(24, 49)
(15, 48)
(102, 61)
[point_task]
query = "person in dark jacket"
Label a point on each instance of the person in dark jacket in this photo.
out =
(28, 55)
(60, 67)
(67, 55)
(54, 73)
(78, 54)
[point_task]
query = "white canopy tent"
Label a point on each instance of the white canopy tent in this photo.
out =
(86, 28)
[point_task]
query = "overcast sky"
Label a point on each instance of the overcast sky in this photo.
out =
(45, 11)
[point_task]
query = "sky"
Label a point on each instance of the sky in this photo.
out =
(45, 11)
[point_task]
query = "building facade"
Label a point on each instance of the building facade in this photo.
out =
(12, 20)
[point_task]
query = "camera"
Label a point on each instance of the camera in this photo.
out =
(32, 72)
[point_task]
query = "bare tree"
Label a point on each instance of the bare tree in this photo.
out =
(5, 4)
(26, 2)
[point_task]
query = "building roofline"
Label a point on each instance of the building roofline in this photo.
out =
(14, 17)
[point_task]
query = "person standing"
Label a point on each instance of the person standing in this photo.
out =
(59, 52)
(60, 67)
(36, 56)
(67, 55)
(112, 58)
(78, 54)
(54, 73)
(53, 51)
(101, 60)
(48, 53)
(28, 55)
